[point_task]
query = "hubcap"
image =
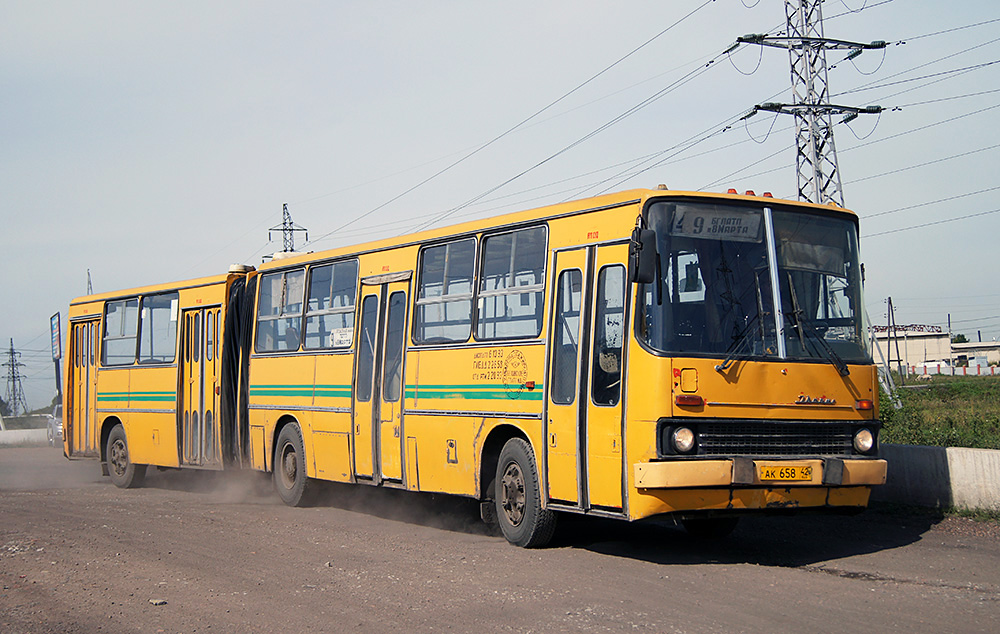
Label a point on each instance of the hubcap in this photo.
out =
(118, 457)
(289, 466)
(512, 493)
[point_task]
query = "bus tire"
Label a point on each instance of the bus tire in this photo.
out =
(710, 527)
(124, 473)
(289, 471)
(519, 511)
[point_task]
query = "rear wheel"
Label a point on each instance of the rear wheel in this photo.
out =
(290, 467)
(124, 473)
(710, 527)
(519, 511)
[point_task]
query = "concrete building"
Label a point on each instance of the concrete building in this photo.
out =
(918, 347)
(912, 345)
(987, 353)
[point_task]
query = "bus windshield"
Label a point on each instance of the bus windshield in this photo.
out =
(716, 295)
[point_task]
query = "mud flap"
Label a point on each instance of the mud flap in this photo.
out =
(488, 511)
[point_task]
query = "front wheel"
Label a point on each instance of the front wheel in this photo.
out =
(124, 473)
(290, 467)
(519, 511)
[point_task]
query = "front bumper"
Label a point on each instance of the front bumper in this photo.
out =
(745, 472)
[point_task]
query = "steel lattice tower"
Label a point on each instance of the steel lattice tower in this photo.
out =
(287, 229)
(816, 166)
(15, 392)
(816, 155)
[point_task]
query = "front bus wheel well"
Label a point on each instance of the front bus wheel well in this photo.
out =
(283, 422)
(106, 427)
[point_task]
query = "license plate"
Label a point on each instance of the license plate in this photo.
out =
(785, 473)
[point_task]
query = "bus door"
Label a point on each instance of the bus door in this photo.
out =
(82, 417)
(199, 398)
(583, 403)
(564, 420)
(378, 384)
(607, 319)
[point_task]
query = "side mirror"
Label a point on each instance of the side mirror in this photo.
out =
(642, 256)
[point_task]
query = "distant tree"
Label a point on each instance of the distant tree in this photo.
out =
(960, 338)
(4, 408)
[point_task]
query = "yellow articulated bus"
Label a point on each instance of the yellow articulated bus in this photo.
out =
(645, 353)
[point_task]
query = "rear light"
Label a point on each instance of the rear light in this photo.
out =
(864, 405)
(689, 400)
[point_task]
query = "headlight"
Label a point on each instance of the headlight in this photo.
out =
(864, 440)
(683, 439)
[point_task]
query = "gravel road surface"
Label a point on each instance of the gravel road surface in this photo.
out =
(207, 552)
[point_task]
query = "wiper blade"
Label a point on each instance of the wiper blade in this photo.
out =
(802, 325)
(752, 328)
(741, 340)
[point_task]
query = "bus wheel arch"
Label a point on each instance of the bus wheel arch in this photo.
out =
(288, 464)
(490, 456)
(124, 473)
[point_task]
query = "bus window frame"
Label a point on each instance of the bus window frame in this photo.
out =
(513, 290)
(175, 309)
(306, 313)
(258, 319)
(120, 337)
(419, 301)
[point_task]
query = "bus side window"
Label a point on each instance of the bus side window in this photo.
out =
(279, 311)
(566, 335)
(511, 285)
(609, 331)
(330, 305)
(158, 328)
(121, 321)
(366, 348)
(444, 293)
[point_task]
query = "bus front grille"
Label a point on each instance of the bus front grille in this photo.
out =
(774, 439)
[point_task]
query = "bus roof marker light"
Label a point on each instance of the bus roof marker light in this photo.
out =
(750, 193)
(767, 195)
(732, 191)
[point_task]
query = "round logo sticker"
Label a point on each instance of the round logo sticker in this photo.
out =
(515, 374)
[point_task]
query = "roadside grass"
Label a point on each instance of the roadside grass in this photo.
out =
(945, 411)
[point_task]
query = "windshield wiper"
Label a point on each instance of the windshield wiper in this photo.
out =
(752, 328)
(803, 327)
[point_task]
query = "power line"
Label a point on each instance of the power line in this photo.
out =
(931, 202)
(930, 224)
(934, 162)
(519, 125)
(656, 96)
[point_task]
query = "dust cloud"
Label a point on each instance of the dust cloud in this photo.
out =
(44, 468)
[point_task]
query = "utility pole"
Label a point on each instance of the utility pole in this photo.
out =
(288, 229)
(15, 392)
(816, 156)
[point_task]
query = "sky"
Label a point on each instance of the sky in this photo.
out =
(158, 141)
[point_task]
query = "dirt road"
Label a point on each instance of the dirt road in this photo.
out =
(196, 552)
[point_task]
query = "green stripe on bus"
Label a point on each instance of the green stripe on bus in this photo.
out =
(494, 395)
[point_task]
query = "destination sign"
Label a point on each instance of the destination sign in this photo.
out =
(717, 224)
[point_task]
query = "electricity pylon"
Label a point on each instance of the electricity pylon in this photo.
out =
(287, 229)
(816, 155)
(15, 392)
